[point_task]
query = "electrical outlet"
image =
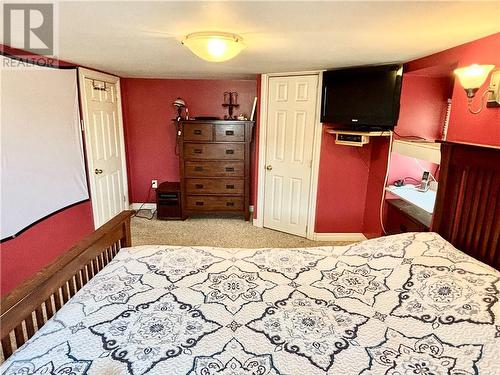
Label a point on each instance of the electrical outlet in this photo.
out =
(154, 184)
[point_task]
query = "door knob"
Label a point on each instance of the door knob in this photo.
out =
(269, 167)
(98, 171)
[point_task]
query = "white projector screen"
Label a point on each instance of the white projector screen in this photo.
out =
(43, 167)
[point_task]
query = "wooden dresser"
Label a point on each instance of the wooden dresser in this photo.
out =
(215, 166)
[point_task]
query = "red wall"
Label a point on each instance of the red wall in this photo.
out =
(464, 126)
(423, 105)
(424, 98)
(38, 246)
(149, 131)
(342, 180)
(350, 186)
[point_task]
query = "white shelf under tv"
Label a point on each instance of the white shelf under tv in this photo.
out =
(364, 136)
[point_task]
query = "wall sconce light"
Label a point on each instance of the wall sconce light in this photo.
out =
(472, 78)
(214, 46)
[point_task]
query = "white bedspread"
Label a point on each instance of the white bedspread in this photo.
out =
(405, 304)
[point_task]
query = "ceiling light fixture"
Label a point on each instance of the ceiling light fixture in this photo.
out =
(214, 46)
(472, 78)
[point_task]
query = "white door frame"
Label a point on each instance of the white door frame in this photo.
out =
(318, 130)
(84, 73)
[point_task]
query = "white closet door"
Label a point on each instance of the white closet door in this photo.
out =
(105, 147)
(289, 147)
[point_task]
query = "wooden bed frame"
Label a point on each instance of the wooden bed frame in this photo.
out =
(28, 307)
(467, 214)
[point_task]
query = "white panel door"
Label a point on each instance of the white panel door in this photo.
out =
(291, 120)
(105, 149)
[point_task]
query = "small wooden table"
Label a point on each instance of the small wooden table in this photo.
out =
(411, 211)
(405, 217)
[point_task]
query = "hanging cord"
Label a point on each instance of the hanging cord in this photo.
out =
(411, 178)
(408, 136)
(382, 201)
(142, 205)
(177, 135)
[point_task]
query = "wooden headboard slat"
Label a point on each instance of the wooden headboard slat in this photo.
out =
(38, 298)
(476, 216)
(467, 212)
(474, 189)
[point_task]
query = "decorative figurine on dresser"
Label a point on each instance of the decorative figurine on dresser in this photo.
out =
(215, 166)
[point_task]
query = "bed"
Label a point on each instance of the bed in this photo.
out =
(404, 304)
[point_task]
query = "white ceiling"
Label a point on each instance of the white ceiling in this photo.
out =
(141, 39)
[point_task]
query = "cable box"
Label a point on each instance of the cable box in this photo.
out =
(351, 139)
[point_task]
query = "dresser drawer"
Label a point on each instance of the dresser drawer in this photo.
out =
(204, 203)
(230, 133)
(198, 132)
(221, 151)
(214, 169)
(215, 186)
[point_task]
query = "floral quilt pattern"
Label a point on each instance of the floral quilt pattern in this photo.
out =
(361, 282)
(234, 359)
(448, 295)
(398, 305)
(233, 288)
(399, 354)
(308, 327)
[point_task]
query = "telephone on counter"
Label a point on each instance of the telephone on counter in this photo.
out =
(424, 183)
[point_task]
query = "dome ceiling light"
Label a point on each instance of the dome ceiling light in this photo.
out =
(214, 46)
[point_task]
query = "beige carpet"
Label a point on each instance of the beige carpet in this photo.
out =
(214, 231)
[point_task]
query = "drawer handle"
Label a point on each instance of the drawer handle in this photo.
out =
(230, 152)
(198, 186)
(197, 132)
(197, 151)
(229, 186)
(229, 169)
(199, 203)
(229, 132)
(230, 204)
(198, 169)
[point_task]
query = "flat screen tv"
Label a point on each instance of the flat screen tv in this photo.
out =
(362, 98)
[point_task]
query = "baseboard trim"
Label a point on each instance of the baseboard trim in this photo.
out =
(338, 237)
(144, 206)
(257, 222)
